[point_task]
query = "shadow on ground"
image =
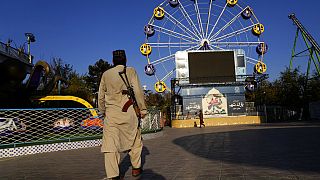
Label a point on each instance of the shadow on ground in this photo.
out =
(294, 148)
(147, 173)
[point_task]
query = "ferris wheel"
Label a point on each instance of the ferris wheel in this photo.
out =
(200, 25)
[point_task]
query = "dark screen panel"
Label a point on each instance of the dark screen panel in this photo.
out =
(240, 61)
(211, 67)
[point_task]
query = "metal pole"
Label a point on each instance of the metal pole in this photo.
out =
(307, 38)
(29, 54)
(265, 107)
(294, 48)
(305, 32)
(318, 58)
(308, 70)
(59, 87)
(311, 54)
(173, 104)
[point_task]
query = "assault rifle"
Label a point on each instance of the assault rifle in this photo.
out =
(130, 93)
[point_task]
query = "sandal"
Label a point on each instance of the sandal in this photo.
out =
(136, 172)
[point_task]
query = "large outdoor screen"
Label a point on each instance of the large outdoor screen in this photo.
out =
(211, 67)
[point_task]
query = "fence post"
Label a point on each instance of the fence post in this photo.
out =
(265, 113)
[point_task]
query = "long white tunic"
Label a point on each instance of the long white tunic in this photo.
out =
(120, 128)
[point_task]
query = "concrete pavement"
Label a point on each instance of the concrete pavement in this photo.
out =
(275, 151)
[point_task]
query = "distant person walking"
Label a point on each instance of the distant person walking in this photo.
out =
(121, 132)
(201, 119)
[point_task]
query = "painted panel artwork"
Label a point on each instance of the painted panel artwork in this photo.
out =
(192, 105)
(214, 104)
(236, 105)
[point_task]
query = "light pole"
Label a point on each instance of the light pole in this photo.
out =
(95, 99)
(302, 108)
(265, 105)
(30, 38)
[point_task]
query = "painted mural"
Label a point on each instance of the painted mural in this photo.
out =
(214, 104)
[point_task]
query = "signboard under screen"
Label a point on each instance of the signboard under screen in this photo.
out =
(211, 67)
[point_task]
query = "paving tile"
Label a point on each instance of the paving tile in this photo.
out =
(247, 152)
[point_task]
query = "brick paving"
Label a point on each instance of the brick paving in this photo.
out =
(270, 151)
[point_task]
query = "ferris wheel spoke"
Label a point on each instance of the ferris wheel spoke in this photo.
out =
(173, 33)
(251, 60)
(225, 26)
(208, 19)
(171, 44)
(235, 33)
(196, 7)
(189, 20)
(155, 75)
(230, 44)
(164, 59)
(219, 17)
(239, 6)
(216, 47)
(165, 69)
(168, 75)
(180, 25)
(254, 20)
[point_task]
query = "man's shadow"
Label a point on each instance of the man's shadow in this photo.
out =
(146, 174)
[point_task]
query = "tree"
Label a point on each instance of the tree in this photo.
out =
(61, 75)
(286, 91)
(78, 87)
(292, 86)
(95, 73)
(313, 88)
(161, 101)
(73, 84)
(61, 69)
(266, 93)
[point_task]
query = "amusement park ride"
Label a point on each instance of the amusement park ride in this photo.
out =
(205, 49)
(203, 43)
(208, 45)
(21, 123)
(22, 81)
(15, 66)
(312, 46)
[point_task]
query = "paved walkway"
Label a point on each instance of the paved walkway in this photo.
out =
(229, 152)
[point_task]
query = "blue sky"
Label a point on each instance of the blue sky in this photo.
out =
(81, 32)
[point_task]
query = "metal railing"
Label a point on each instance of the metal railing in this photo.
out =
(24, 127)
(14, 53)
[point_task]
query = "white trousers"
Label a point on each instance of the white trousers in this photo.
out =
(112, 159)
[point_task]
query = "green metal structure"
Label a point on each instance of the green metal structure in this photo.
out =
(313, 49)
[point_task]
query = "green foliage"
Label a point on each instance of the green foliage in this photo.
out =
(78, 87)
(292, 90)
(95, 73)
(292, 85)
(313, 88)
(161, 101)
(61, 69)
(266, 93)
(75, 84)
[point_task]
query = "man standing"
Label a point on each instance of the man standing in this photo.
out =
(201, 119)
(121, 132)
